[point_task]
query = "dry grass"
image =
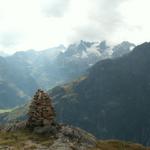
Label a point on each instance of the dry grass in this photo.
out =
(118, 145)
(29, 141)
(23, 139)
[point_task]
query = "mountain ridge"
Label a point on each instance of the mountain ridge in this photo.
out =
(26, 71)
(113, 98)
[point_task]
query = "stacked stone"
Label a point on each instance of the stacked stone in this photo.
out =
(41, 111)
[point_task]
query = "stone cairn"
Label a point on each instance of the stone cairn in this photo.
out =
(41, 112)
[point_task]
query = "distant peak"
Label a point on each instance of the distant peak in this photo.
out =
(103, 45)
(86, 43)
(127, 43)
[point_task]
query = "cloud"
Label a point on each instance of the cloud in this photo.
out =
(9, 39)
(40, 24)
(54, 8)
(104, 18)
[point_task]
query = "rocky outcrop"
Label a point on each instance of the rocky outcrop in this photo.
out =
(70, 138)
(41, 121)
(41, 112)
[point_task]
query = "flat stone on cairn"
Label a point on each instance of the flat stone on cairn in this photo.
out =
(41, 112)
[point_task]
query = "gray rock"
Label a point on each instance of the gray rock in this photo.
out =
(46, 130)
(78, 135)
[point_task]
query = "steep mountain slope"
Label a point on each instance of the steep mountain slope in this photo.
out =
(122, 49)
(22, 73)
(112, 101)
(10, 93)
(41, 131)
(80, 56)
(39, 65)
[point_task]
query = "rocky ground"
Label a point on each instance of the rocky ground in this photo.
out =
(41, 132)
(68, 138)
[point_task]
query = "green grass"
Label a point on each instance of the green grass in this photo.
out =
(5, 110)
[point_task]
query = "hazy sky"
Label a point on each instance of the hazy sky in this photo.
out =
(39, 24)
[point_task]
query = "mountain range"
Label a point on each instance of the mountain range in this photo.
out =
(111, 100)
(25, 71)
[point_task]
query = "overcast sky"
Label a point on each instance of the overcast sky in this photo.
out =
(39, 24)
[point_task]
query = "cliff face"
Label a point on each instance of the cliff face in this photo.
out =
(113, 100)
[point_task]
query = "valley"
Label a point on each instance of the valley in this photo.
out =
(106, 100)
(22, 73)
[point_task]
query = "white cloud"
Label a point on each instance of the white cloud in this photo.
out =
(55, 8)
(39, 24)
